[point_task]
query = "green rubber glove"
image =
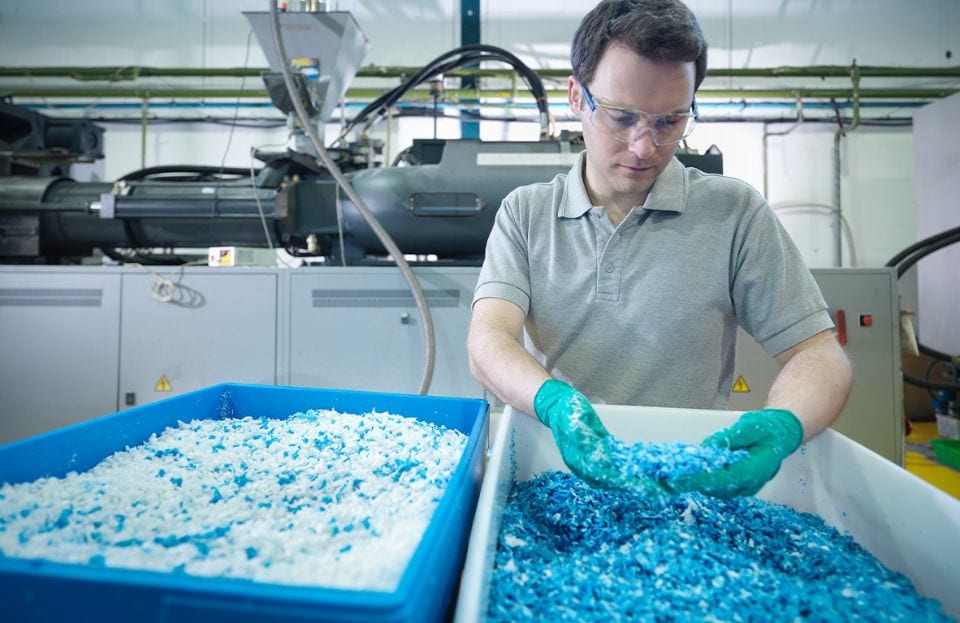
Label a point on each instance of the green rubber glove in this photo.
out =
(769, 436)
(579, 435)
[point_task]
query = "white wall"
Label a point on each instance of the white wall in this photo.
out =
(877, 163)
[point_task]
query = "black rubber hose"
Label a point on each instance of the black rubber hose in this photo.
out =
(903, 261)
(896, 259)
(196, 170)
(465, 55)
(905, 264)
(913, 380)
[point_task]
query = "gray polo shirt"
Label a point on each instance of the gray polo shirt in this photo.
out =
(646, 313)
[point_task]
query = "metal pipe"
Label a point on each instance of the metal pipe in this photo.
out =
(837, 188)
(159, 91)
(144, 119)
(120, 73)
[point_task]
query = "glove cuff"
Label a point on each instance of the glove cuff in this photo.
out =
(547, 397)
(791, 425)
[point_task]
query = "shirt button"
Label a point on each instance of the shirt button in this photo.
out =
(609, 268)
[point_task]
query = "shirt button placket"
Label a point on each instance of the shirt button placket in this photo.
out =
(609, 279)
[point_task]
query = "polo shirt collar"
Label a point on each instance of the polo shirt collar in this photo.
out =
(666, 195)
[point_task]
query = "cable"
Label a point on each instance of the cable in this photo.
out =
(802, 207)
(902, 255)
(256, 197)
(199, 173)
(462, 56)
(903, 261)
(166, 290)
(226, 150)
(382, 235)
(339, 206)
(236, 107)
(926, 375)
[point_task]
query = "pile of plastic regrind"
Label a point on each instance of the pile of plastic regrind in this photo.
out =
(664, 460)
(320, 498)
(570, 552)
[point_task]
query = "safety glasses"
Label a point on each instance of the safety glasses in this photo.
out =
(628, 125)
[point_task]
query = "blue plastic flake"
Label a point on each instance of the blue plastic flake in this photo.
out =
(570, 552)
(665, 460)
(247, 498)
(64, 518)
(171, 540)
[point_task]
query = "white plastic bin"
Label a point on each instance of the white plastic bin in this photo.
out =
(909, 525)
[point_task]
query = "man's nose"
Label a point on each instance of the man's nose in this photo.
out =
(642, 144)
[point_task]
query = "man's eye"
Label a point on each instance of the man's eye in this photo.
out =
(667, 122)
(623, 119)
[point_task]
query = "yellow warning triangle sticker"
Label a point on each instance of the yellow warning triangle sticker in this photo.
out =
(163, 385)
(741, 386)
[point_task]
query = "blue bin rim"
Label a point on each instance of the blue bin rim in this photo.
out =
(369, 601)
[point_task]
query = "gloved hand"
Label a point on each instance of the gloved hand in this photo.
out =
(579, 435)
(768, 435)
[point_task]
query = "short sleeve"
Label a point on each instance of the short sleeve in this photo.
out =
(506, 266)
(775, 297)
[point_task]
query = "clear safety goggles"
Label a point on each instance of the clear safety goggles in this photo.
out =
(628, 125)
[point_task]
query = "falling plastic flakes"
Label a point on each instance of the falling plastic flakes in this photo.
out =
(570, 552)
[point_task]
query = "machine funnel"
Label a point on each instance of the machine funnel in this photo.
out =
(328, 46)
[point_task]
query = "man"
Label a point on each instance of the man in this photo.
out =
(627, 277)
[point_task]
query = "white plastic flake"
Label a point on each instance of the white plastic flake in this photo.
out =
(320, 498)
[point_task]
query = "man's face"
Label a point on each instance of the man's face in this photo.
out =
(618, 173)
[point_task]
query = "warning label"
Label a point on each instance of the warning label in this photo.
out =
(741, 387)
(163, 385)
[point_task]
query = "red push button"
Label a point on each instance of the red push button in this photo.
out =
(866, 320)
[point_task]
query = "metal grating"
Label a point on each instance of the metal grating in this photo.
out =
(51, 297)
(382, 297)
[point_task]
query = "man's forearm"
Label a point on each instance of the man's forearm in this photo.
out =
(504, 367)
(813, 383)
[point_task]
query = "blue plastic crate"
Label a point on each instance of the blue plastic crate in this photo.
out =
(36, 590)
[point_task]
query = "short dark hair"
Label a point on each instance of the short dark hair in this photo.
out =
(661, 30)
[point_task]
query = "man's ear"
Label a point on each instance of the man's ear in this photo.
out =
(574, 95)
